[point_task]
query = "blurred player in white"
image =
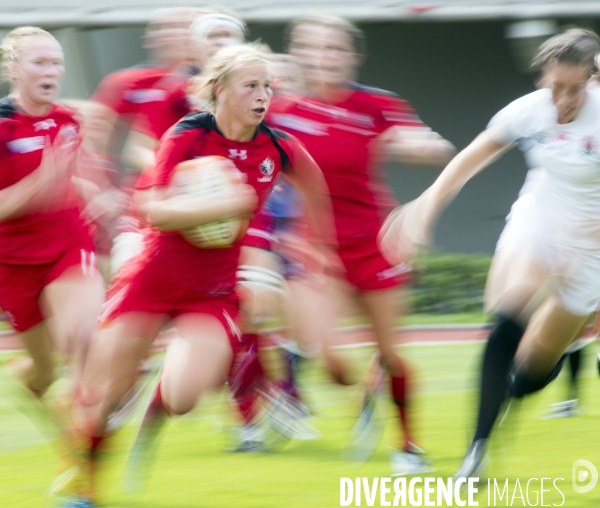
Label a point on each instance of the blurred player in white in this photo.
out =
(545, 277)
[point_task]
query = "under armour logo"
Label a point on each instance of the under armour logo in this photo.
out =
(240, 154)
(44, 125)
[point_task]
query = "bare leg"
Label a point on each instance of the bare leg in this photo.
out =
(550, 332)
(516, 285)
(198, 360)
(327, 304)
(37, 371)
(311, 315)
(383, 309)
(113, 360)
(72, 304)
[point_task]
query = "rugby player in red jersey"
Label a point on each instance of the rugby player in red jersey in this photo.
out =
(124, 92)
(211, 30)
(351, 130)
(50, 286)
(118, 100)
(175, 281)
(214, 29)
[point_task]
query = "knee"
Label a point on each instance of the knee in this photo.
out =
(178, 406)
(337, 370)
(392, 363)
(43, 378)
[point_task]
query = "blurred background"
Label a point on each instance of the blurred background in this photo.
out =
(456, 61)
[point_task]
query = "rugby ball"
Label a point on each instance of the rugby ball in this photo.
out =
(210, 179)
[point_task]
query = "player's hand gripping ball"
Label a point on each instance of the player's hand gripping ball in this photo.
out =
(204, 179)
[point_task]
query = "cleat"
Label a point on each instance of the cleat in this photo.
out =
(410, 462)
(75, 484)
(474, 462)
(250, 438)
(144, 449)
(77, 502)
(565, 409)
(284, 418)
(370, 425)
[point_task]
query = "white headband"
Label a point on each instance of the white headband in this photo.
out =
(202, 26)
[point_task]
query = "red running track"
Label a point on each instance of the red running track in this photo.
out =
(348, 337)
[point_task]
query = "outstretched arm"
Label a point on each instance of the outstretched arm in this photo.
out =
(411, 225)
(420, 146)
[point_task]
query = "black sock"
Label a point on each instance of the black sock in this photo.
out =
(575, 363)
(499, 353)
(523, 385)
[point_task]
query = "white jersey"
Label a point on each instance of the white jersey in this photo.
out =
(569, 194)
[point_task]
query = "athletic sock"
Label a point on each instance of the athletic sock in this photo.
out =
(290, 383)
(244, 382)
(522, 384)
(500, 350)
(95, 446)
(575, 363)
(400, 387)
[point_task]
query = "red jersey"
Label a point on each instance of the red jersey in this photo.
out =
(211, 271)
(37, 237)
(339, 137)
(128, 90)
(154, 119)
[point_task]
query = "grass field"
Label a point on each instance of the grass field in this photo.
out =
(194, 471)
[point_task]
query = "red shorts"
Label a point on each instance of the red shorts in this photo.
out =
(147, 289)
(22, 285)
(261, 232)
(367, 269)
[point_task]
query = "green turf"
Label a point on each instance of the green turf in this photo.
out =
(192, 470)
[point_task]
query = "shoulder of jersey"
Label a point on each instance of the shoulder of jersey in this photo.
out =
(272, 132)
(535, 98)
(66, 110)
(196, 120)
(594, 91)
(205, 120)
(7, 108)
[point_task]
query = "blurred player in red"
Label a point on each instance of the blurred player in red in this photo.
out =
(210, 31)
(175, 281)
(115, 105)
(50, 286)
(351, 130)
(269, 263)
(106, 201)
(264, 296)
(124, 92)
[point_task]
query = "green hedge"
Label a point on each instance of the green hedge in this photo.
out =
(449, 283)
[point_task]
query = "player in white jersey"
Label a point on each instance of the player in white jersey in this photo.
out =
(545, 276)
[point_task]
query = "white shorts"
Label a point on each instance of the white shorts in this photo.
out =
(574, 270)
